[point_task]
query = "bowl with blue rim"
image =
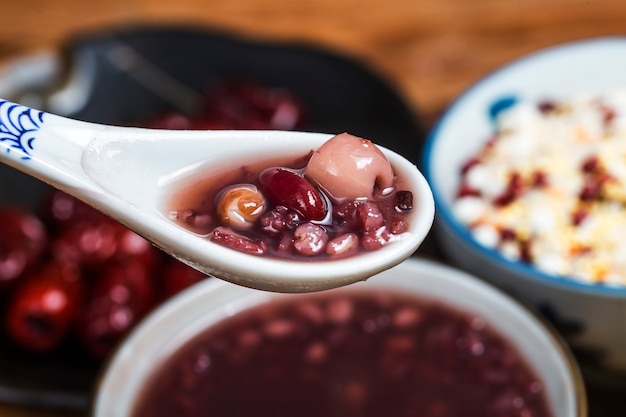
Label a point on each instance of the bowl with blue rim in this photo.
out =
(584, 295)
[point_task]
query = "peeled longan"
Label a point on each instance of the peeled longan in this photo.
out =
(348, 167)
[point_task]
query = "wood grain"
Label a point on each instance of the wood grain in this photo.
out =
(431, 50)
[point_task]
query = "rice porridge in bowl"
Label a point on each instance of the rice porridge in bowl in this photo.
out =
(549, 187)
(527, 170)
(419, 338)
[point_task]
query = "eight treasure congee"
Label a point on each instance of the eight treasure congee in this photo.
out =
(351, 353)
(334, 202)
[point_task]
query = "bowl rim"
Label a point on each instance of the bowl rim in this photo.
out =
(235, 299)
(444, 215)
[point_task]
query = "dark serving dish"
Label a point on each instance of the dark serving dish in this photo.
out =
(130, 75)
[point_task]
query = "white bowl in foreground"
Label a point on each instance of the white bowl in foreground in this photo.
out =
(592, 316)
(196, 309)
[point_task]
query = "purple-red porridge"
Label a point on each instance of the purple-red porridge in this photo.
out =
(346, 354)
(336, 201)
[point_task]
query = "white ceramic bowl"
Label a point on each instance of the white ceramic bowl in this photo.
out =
(208, 302)
(592, 316)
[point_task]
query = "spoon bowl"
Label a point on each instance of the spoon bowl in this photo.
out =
(124, 172)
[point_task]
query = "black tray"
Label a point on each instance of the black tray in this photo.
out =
(129, 75)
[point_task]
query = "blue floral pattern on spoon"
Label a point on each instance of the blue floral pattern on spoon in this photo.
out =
(18, 125)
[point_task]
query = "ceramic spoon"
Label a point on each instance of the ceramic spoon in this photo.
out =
(124, 171)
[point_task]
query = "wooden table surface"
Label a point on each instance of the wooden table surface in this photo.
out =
(430, 49)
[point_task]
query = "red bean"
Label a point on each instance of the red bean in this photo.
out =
(229, 238)
(608, 113)
(548, 106)
(278, 220)
(591, 190)
(310, 239)
(369, 216)
(374, 240)
(469, 164)
(513, 190)
(284, 187)
(465, 190)
(590, 165)
(343, 245)
(403, 200)
(540, 179)
(579, 216)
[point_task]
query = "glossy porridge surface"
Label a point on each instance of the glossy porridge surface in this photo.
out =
(362, 354)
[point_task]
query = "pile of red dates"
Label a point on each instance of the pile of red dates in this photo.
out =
(69, 272)
(73, 272)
